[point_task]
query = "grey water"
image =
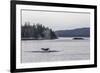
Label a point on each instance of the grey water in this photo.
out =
(65, 49)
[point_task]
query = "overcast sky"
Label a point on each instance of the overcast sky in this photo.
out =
(57, 20)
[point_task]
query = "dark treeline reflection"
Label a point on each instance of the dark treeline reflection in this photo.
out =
(36, 32)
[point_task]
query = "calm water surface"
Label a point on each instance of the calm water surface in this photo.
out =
(65, 49)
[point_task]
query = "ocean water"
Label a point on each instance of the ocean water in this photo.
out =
(62, 49)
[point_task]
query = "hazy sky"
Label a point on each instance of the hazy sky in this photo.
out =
(57, 20)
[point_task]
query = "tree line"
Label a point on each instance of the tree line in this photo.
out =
(36, 31)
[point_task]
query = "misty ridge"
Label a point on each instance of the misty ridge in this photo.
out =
(40, 32)
(78, 32)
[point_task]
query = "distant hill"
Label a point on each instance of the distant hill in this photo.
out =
(79, 32)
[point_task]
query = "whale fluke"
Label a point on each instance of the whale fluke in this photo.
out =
(45, 49)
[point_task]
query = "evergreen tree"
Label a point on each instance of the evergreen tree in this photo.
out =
(52, 33)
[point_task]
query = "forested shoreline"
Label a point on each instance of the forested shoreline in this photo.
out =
(36, 32)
